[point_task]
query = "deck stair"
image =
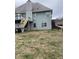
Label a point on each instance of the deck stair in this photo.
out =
(21, 25)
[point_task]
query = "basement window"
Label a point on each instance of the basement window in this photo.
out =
(44, 24)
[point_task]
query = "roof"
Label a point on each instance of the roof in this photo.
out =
(36, 7)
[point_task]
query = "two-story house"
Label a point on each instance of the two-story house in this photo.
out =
(37, 15)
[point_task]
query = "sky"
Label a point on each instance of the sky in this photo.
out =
(55, 5)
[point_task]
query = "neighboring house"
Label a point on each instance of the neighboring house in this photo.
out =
(57, 23)
(38, 16)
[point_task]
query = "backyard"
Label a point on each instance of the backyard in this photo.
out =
(46, 44)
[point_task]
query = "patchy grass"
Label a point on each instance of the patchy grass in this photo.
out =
(39, 45)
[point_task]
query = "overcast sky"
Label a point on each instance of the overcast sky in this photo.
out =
(55, 5)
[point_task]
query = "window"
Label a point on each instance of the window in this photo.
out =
(44, 24)
(23, 15)
(19, 15)
(16, 15)
(34, 24)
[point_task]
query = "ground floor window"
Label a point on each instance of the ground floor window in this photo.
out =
(44, 24)
(34, 24)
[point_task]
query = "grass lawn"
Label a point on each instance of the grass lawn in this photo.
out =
(46, 44)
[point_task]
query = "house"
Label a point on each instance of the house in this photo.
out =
(57, 23)
(34, 16)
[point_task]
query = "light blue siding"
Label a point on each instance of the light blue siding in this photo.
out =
(29, 15)
(39, 18)
(43, 17)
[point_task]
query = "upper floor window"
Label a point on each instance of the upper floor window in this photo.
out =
(23, 15)
(19, 15)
